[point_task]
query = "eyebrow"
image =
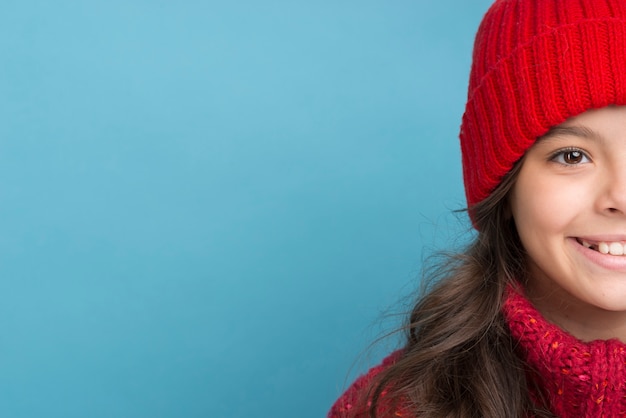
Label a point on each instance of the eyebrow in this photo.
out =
(575, 130)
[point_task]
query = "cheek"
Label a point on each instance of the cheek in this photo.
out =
(542, 207)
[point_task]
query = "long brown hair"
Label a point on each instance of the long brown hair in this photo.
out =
(459, 359)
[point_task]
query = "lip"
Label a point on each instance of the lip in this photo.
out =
(603, 238)
(606, 261)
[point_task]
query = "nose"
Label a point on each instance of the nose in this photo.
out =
(614, 191)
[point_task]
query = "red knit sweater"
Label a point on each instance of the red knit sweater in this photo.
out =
(579, 379)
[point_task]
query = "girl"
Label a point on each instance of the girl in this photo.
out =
(531, 319)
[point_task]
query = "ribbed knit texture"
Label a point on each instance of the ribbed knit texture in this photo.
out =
(535, 64)
(579, 379)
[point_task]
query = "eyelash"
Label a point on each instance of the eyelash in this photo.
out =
(560, 154)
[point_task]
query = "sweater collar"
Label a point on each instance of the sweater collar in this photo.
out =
(581, 379)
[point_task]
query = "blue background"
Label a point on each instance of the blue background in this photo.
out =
(208, 208)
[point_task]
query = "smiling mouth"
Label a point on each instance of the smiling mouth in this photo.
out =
(612, 248)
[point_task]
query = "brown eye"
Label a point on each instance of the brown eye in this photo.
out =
(572, 157)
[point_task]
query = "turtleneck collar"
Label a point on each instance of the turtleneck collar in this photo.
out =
(580, 379)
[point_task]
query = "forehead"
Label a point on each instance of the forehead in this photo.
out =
(603, 125)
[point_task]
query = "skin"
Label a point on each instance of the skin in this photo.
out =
(572, 187)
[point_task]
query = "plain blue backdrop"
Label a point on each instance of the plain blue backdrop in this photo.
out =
(207, 208)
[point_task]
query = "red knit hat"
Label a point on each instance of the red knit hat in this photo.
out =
(535, 64)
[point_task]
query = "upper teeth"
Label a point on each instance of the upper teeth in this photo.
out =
(613, 248)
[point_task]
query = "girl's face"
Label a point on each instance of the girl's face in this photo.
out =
(569, 207)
